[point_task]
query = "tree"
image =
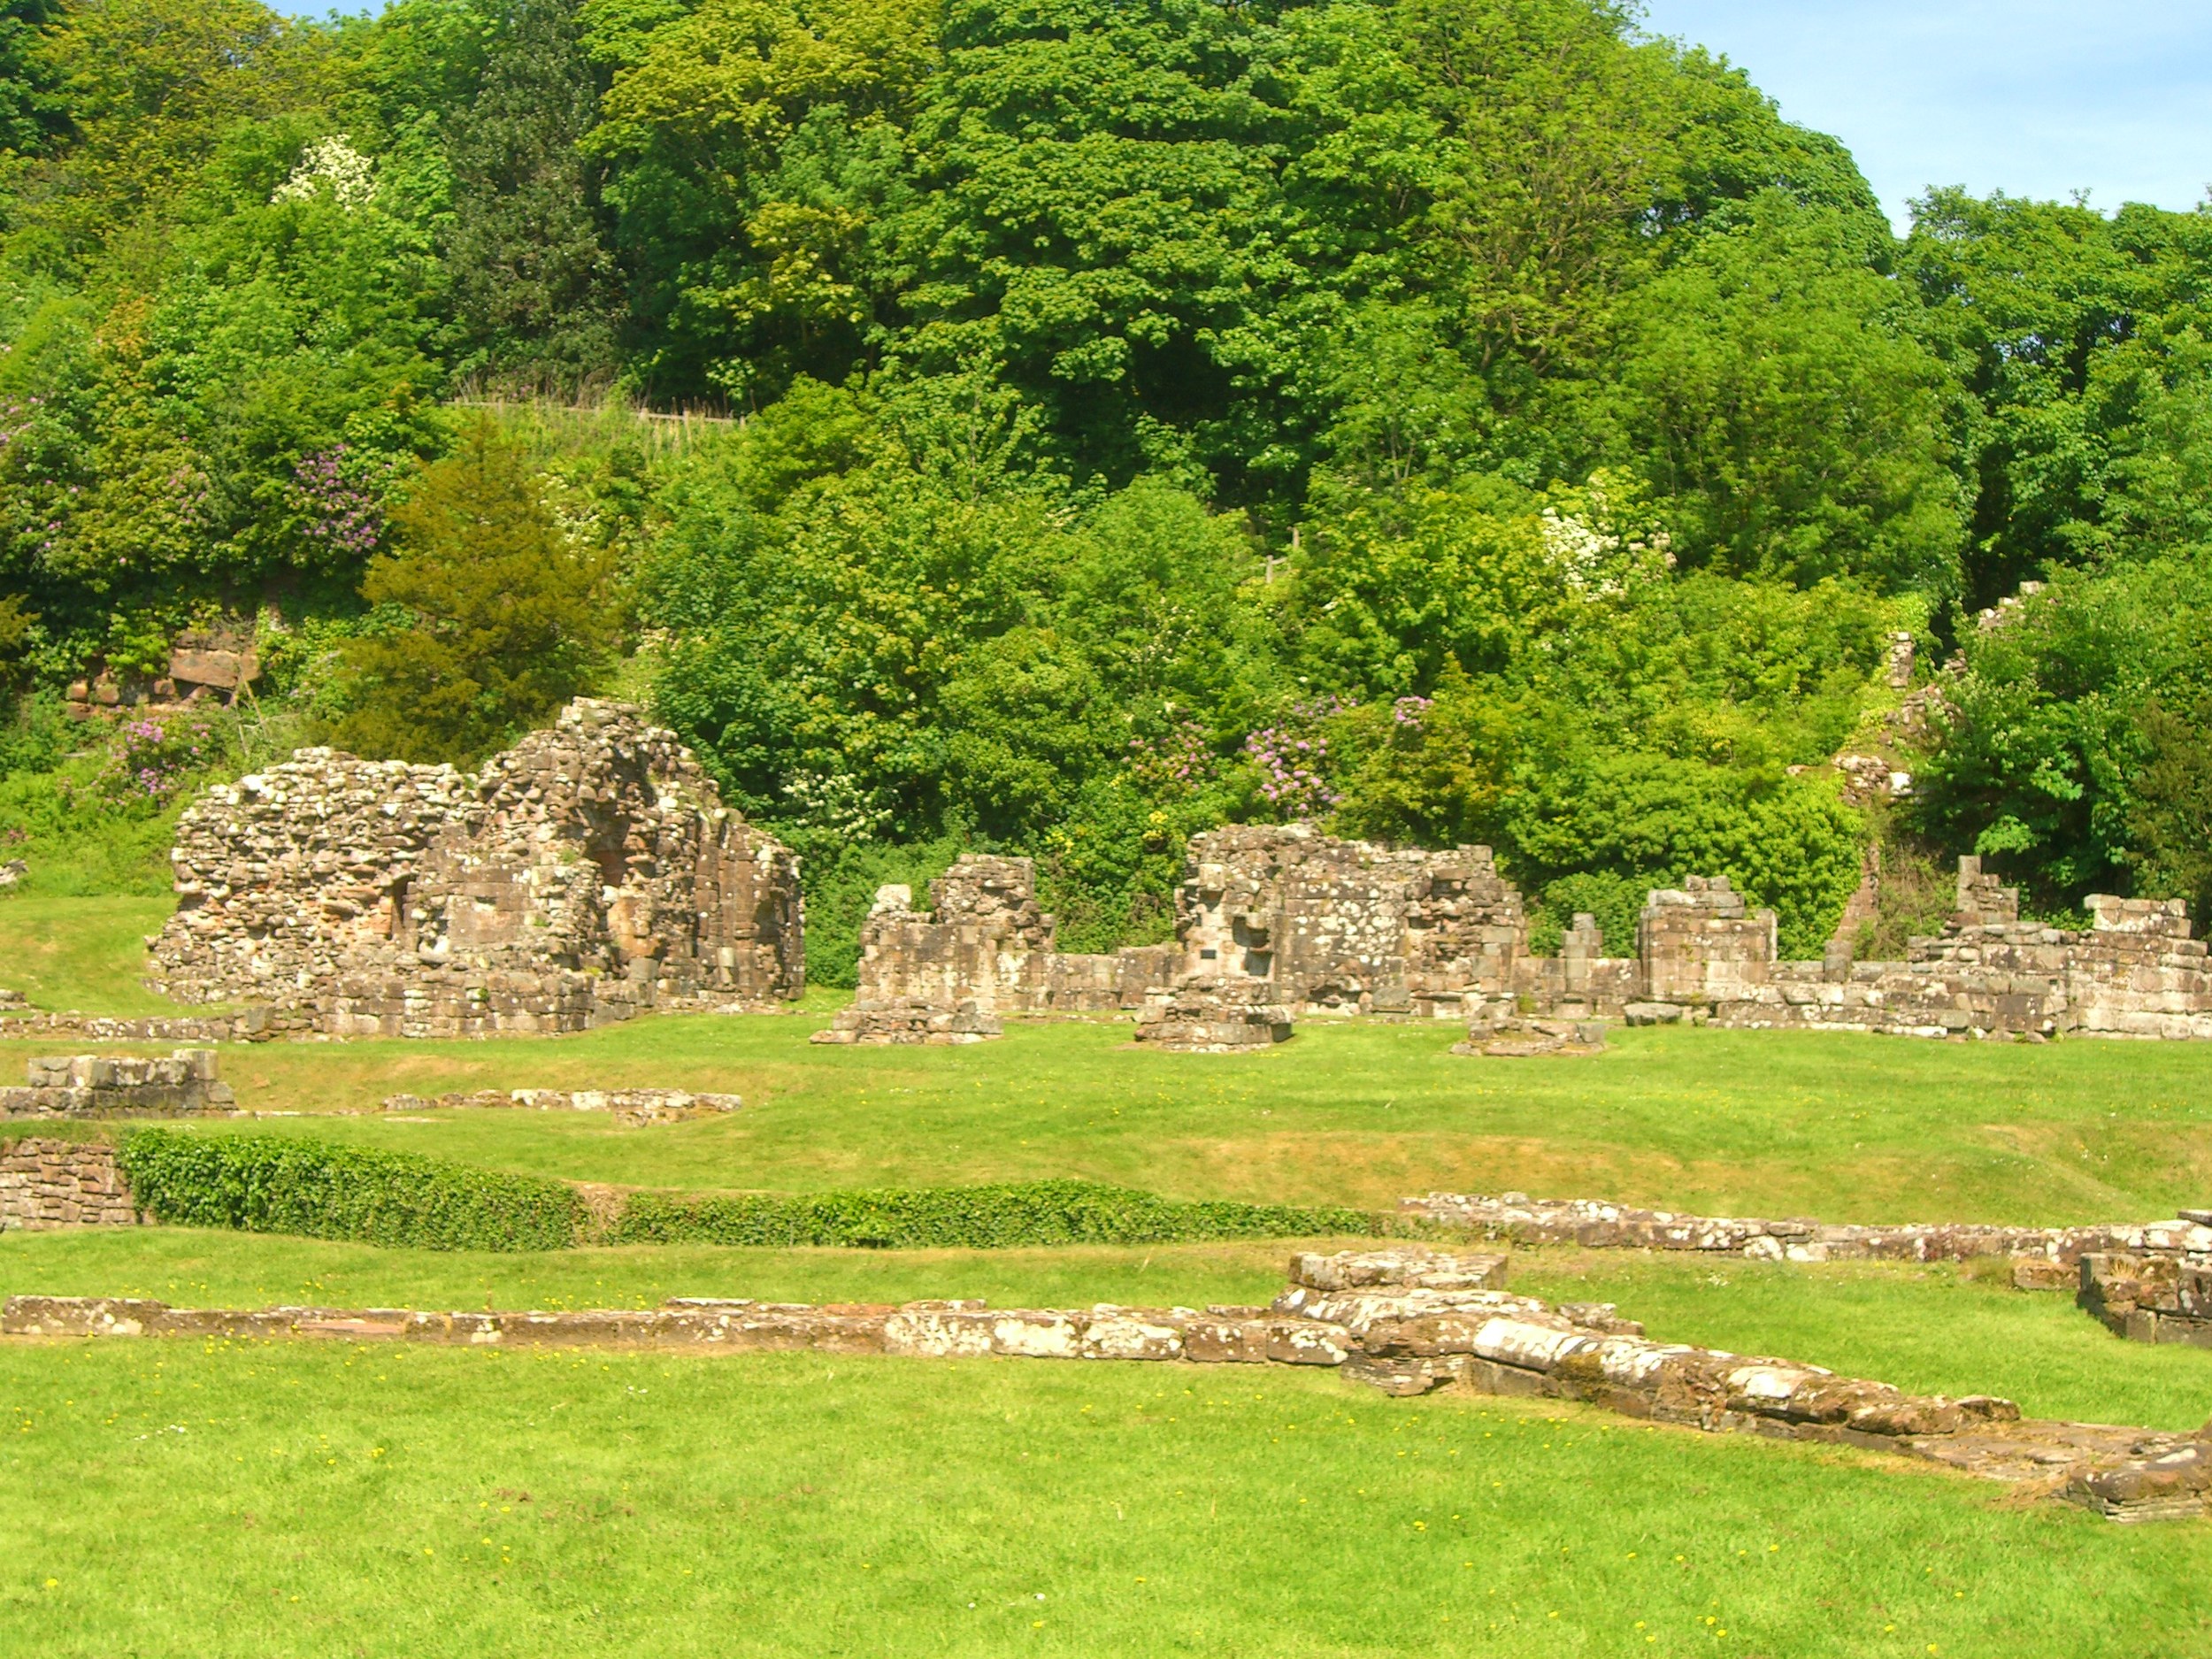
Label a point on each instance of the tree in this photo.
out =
(535, 283)
(1793, 425)
(2081, 341)
(487, 619)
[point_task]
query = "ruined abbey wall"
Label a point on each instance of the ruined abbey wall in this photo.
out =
(588, 872)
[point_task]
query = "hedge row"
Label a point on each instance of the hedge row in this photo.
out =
(280, 1184)
(972, 1217)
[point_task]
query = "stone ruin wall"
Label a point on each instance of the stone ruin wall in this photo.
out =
(2135, 972)
(983, 949)
(1344, 928)
(1283, 919)
(46, 1183)
(587, 873)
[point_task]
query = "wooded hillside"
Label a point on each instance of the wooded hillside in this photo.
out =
(1060, 425)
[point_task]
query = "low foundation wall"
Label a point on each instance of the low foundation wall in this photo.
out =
(186, 1084)
(1595, 1225)
(1405, 1321)
(632, 1108)
(2150, 1298)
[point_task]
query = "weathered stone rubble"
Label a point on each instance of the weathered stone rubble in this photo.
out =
(1406, 1322)
(1595, 1225)
(983, 949)
(1202, 1014)
(207, 668)
(1508, 1036)
(47, 1183)
(253, 1025)
(634, 1108)
(2134, 972)
(121, 1085)
(1284, 917)
(2151, 1294)
(1345, 927)
(1269, 919)
(587, 873)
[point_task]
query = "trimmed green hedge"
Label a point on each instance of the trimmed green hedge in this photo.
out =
(971, 1217)
(318, 1190)
(279, 1183)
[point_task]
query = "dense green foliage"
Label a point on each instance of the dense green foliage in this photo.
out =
(316, 1190)
(486, 618)
(1455, 422)
(278, 1184)
(1003, 1216)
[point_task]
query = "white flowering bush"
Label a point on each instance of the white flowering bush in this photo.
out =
(332, 164)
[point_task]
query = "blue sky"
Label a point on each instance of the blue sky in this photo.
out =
(2035, 98)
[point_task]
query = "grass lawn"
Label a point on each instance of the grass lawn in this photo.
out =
(86, 955)
(162, 1498)
(203, 1498)
(1839, 1126)
(1934, 1329)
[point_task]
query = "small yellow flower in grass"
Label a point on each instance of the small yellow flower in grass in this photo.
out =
(427, 1550)
(53, 1583)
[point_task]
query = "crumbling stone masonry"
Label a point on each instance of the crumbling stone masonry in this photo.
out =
(1283, 916)
(1346, 927)
(252, 1025)
(1214, 1016)
(1699, 944)
(587, 874)
(1594, 1224)
(121, 1085)
(632, 1108)
(2154, 1295)
(984, 949)
(2135, 972)
(46, 1184)
(1405, 1321)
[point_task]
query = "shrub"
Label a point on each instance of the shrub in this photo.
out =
(1000, 1217)
(505, 618)
(277, 1184)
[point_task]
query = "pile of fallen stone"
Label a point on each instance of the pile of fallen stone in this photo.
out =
(634, 1108)
(1512, 1037)
(121, 1085)
(1407, 1321)
(1209, 1015)
(910, 1019)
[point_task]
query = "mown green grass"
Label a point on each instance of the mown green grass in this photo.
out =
(162, 1498)
(1936, 1329)
(208, 1498)
(87, 955)
(1840, 1126)
(1837, 1126)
